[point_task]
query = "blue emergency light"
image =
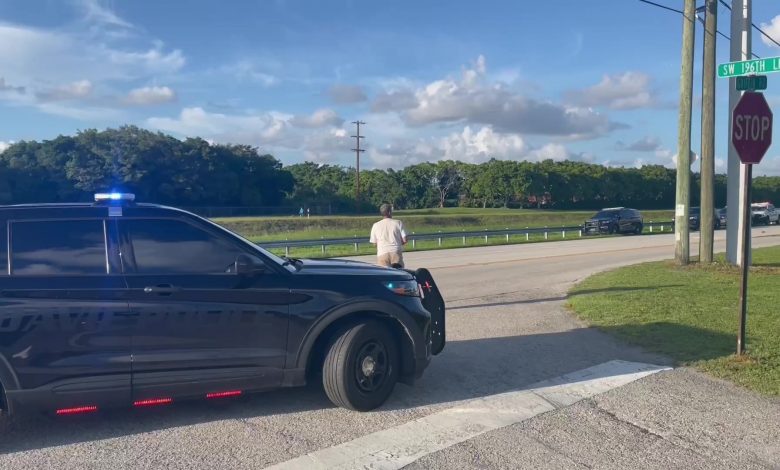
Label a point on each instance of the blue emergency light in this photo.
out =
(103, 197)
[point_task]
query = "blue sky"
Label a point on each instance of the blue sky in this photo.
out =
(594, 81)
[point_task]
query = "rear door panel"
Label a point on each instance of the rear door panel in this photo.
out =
(66, 336)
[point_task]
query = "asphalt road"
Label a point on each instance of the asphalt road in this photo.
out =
(508, 329)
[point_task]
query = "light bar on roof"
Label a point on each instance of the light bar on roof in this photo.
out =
(102, 197)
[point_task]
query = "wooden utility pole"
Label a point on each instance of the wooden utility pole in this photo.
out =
(707, 209)
(357, 151)
(681, 230)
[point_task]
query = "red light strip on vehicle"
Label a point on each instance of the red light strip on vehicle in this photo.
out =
(229, 393)
(153, 402)
(77, 410)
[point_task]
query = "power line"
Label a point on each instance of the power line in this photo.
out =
(663, 6)
(723, 2)
(718, 32)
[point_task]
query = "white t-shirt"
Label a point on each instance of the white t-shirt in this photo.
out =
(388, 235)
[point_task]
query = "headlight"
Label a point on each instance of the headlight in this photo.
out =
(407, 288)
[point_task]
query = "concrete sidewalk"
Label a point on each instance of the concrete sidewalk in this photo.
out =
(675, 419)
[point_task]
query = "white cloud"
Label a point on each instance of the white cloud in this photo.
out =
(246, 70)
(320, 118)
(50, 67)
(551, 151)
(94, 10)
(5, 145)
(77, 90)
(473, 100)
(271, 131)
(7, 87)
(70, 57)
(630, 90)
(150, 95)
(397, 100)
(773, 29)
(325, 147)
(693, 156)
(260, 129)
(482, 145)
(645, 144)
(769, 167)
(469, 145)
(347, 94)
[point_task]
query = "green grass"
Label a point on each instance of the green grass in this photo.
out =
(691, 315)
(424, 245)
(266, 229)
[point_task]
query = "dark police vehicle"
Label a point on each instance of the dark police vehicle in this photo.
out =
(694, 219)
(117, 303)
(614, 220)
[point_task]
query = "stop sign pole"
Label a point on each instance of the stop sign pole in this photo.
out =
(751, 134)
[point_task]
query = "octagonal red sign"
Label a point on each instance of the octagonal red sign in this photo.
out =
(751, 127)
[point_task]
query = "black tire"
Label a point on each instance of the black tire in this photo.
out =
(367, 346)
(613, 229)
(639, 229)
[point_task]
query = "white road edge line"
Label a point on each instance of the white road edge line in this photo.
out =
(396, 447)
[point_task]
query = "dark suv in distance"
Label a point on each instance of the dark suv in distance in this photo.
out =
(614, 220)
(119, 304)
(694, 219)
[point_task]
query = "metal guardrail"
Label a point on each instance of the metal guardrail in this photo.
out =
(577, 230)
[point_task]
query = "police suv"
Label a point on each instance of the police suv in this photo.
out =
(119, 303)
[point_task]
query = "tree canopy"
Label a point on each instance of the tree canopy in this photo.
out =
(194, 172)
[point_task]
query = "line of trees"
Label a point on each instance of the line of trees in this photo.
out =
(194, 172)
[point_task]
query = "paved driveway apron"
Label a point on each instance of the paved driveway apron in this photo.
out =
(508, 330)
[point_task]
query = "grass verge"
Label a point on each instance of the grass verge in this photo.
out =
(267, 229)
(691, 315)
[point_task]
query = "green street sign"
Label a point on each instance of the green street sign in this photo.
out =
(751, 83)
(749, 67)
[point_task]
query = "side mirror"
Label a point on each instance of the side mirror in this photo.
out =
(246, 266)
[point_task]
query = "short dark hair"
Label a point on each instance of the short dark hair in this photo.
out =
(385, 209)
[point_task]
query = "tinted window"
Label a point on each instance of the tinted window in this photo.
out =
(58, 247)
(163, 246)
(3, 248)
(694, 211)
(606, 214)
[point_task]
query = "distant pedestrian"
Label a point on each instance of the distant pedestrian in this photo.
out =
(308, 212)
(389, 237)
(300, 212)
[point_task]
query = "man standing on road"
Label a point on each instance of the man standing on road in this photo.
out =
(389, 237)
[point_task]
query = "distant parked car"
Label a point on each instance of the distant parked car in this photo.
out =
(615, 220)
(694, 217)
(764, 213)
(722, 217)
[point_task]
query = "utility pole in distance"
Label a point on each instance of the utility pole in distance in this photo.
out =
(682, 252)
(707, 209)
(357, 151)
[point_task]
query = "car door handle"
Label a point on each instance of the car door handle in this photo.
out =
(161, 289)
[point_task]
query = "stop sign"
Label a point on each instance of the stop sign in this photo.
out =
(751, 127)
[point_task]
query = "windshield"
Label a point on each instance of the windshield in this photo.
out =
(606, 214)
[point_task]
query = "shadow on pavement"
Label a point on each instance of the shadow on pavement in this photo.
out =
(560, 298)
(465, 370)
